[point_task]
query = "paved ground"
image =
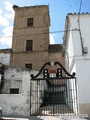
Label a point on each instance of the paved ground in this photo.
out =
(42, 118)
(54, 110)
(47, 111)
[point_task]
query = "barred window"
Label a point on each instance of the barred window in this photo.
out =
(30, 22)
(14, 91)
(28, 66)
(29, 45)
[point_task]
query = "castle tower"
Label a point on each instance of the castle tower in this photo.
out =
(30, 36)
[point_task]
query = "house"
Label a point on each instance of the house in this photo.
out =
(76, 51)
(15, 94)
(31, 44)
(30, 50)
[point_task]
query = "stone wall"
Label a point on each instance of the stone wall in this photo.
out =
(39, 33)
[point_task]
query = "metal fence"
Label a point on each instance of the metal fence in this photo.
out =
(53, 93)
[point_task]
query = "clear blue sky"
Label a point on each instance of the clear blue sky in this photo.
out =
(58, 11)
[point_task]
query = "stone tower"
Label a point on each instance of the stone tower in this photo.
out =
(30, 36)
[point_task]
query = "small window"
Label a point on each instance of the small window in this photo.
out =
(14, 91)
(29, 45)
(30, 22)
(28, 66)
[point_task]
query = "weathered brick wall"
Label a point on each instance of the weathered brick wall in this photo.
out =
(37, 59)
(53, 57)
(39, 33)
(55, 54)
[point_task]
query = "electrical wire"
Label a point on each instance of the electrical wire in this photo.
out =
(73, 56)
(40, 33)
(80, 6)
(79, 26)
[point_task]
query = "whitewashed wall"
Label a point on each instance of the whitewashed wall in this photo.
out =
(14, 105)
(5, 58)
(83, 81)
(80, 63)
(83, 76)
(85, 32)
(75, 96)
(69, 50)
(12, 79)
(73, 42)
(17, 104)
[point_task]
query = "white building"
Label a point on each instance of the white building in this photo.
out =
(15, 91)
(77, 56)
(5, 56)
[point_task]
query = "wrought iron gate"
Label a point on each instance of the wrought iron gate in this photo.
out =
(53, 91)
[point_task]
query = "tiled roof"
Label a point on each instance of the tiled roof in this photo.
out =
(5, 50)
(78, 13)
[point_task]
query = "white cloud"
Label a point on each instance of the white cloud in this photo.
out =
(4, 21)
(8, 31)
(52, 41)
(8, 6)
(7, 40)
(0, 11)
(9, 16)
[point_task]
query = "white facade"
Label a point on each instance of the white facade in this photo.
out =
(5, 56)
(17, 104)
(76, 38)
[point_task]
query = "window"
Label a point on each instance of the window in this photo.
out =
(30, 22)
(14, 91)
(29, 45)
(28, 66)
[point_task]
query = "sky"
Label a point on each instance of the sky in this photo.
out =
(58, 10)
